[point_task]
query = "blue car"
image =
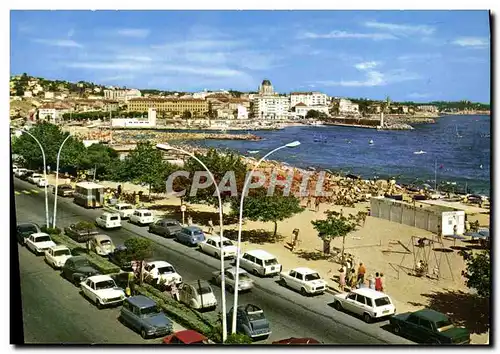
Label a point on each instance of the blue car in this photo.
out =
(250, 320)
(144, 316)
(191, 235)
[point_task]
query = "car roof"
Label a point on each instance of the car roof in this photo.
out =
(431, 315)
(233, 270)
(373, 294)
(169, 220)
(99, 278)
(110, 214)
(59, 247)
(304, 270)
(89, 185)
(77, 258)
(123, 204)
(216, 238)
(102, 237)
(261, 254)
(189, 336)
(203, 283)
(141, 301)
(159, 263)
(144, 210)
(36, 234)
(193, 228)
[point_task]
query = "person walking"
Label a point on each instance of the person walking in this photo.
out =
(190, 220)
(371, 282)
(352, 279)
(210, 226)
(316, 204)
(342, 276)
(309, 202)
(361, 273)
(378, 283)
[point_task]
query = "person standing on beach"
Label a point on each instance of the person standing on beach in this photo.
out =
(378, 283)
(210, 226)
(309, 202)
(371, 282)
(352, 279)
(316, 204)
(361, 273)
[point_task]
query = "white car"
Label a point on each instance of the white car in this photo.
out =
(211, 246)
(142, 217)
(245, 283)
(161, 271)
(102, 290)
(305, 280)
(56, 256)
(109, 221)
(198, 295)
(365, 302)
(102, 245)
(124, 209)
(21, 171)
(39, 242)
(260, 263)
(35, 177)
(42, 182)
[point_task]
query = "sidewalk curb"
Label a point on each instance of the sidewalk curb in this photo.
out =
(332, 291)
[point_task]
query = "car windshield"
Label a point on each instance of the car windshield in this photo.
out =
(106, 243)
(382, 301)
(269, 262)
(227, 243)
(28, 228)
(42, 239)
(166, 270)
(126, 207)
(62, 253)
(204, 290)
(172, 224)
(254, 316)
(152, 310)
(313, 276)
(107, 284)
(197, 232)
(440, 325)
(244, 277)
(65, 187)
(146, 214)
(82, 263)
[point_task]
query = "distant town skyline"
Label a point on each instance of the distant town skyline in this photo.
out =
(416, 56)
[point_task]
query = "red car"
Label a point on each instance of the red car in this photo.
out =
(187, 336)
(297, 341)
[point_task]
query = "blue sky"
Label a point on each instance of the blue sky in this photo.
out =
(407, 55)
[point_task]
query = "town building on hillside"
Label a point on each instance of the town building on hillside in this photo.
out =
(308, 98)
(28, 94)
(346, 107)
(110, 106)
(169, 105)
(428, 108)
(301, 109)
(49, 95)
(150, 122)
(122, 95)
(53, 112)
(269, 104)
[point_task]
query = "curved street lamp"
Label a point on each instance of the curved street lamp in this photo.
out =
(44, 176)
(167, 147)
(240, 225)
(57, 181)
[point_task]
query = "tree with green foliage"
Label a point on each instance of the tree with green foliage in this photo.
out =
(258, 206)
(238, 338)
(312, 114)
(336, 225)
(478, 272)
(102, 158)
(186, 115)
(138, 249)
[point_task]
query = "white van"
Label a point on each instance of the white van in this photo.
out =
(21, 171)
(142, 217)
(259, 262)
(109, 221)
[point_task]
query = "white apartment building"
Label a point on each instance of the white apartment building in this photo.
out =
(347, 107)
(136, 123)
(121, 95)
(301, 109)
(308, 98)
(48, 114)
(28, 94)
(49, 95)
(428, 108)
(268, 104)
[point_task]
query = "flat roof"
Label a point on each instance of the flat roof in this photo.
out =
(261, 254)
(216, 238)
(89, 185)
(469, 209)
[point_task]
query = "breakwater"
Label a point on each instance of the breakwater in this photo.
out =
(133, 137)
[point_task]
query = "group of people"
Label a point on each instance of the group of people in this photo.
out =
(350, 279)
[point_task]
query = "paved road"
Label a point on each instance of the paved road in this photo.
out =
(289, 313)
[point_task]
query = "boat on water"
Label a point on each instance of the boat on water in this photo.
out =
(316, 123)
(370, 142)
(419, 152)
(458, 134)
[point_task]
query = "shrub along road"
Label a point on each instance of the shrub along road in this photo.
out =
(289, 313)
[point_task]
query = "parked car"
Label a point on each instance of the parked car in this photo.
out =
(245, 283)
(144, 316)
(365, 302)
(102, 290)
(251, 321)
(80, 235)
(39, 242)
(211, 246)
(430, 327)
(102, 245)
(24, 230)
(123, 209)
(57, 255)
(20, 171)
(141, 217)
(260, 263)
(77, 269)
(15, 168)
(42, 182)
(305, 280)
(191, 235)
(161, 271)
(187, 336)
(165, 227)
(109, 221)
(35, 177)
(26, 175)
(64, 190)
(299, 341)
(121, 258)
(198, 295)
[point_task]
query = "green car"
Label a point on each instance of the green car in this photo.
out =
(429, 327)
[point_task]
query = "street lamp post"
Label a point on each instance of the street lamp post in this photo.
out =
(240, 225)
(44, 176)
(57, 181)
(166, 147)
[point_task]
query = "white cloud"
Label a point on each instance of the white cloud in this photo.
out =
(367, 65)
(373, 77)
(399, 29)
(419, 57)
(133, 32)
(59, 42)
(106, 66)
(345, 35)
(472, 42)
(117, 78)
(71, 33)
(140, 58)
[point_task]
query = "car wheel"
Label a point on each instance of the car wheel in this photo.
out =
(303, 291)
(283, 282)
(367, 318)
(98, 304)
(143, 333)
(255, 272)
(396, 329)
(337, 305)
(216, 255)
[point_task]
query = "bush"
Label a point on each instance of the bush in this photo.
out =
(84, 226)
(51, 230)
(238, 338)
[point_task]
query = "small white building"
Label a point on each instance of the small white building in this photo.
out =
(242, 112)
(347, 107)
(28, 94)
(49, 95)
(301, 109)
(308, 98)
(150, 122)
(48, 114)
